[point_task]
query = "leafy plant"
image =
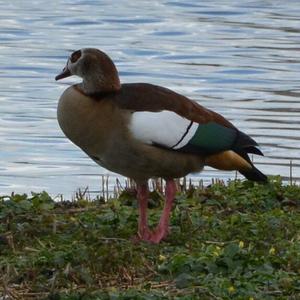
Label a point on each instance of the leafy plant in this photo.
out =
(234, 241)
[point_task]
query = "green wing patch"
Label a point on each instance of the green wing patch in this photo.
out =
(211, 138)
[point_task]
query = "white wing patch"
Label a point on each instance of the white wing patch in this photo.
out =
(165, 128)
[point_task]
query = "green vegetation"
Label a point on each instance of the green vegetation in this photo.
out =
(239, 241)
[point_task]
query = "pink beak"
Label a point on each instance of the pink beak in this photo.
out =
(65, 73)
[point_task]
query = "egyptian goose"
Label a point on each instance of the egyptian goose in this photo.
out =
(143, 131)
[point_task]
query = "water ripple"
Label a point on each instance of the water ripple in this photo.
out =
(240, 58)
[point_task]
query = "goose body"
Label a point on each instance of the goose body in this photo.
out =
(143, 131)
(105, 131)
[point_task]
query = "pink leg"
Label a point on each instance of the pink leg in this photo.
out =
(142, 195)
(162, 228)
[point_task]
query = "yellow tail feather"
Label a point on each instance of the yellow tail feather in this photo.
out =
(228, 161)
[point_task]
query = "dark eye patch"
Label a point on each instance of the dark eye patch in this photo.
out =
(75, 56)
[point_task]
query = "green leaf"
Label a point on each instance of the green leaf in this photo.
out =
(184, 280)
(231, 250)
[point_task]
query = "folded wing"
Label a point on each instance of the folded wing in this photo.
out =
(166, 119)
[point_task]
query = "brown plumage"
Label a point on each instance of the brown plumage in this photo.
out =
(98, 116)
(100, 129)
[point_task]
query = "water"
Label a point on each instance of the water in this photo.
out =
(241, 59)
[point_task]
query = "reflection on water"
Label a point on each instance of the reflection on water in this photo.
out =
(242, 60)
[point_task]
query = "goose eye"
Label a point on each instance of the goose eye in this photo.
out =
(75, 56)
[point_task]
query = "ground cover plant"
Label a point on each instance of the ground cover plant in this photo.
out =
(235, 241)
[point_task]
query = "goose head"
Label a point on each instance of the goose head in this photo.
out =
(97, 70)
